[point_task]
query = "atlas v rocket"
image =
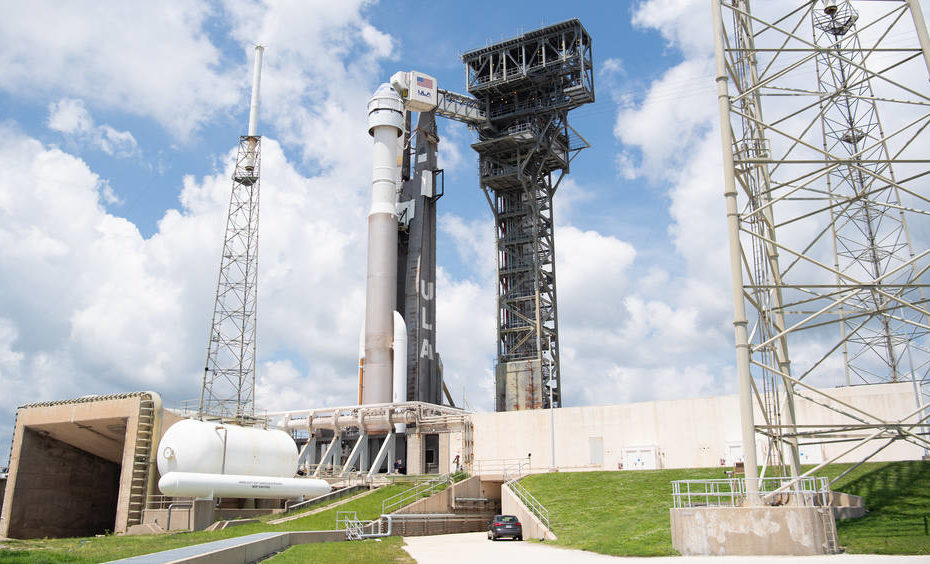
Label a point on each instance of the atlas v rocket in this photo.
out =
(397, 346)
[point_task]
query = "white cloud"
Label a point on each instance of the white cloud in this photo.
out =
(676, 113)
(685, 24)
(321, 64)
(153, 60)
(70, 116)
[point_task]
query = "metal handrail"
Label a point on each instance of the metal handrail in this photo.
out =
(530, 501)
(335, 494)
(424, 489)
(508, 467)
(730, 492)
(349, 521)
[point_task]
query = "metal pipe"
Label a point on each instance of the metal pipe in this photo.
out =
(225, 436)
(385, 122)
(256, 83)
(750, 464)
(920, 26)
(368, 421)
(188, 505)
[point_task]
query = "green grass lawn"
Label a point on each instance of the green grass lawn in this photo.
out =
(619, 513)
(897, 495)
(111, 547)
(372, 551)
(627, 513)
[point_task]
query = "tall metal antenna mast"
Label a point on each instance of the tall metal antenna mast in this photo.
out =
(228, 390)
(820, 193)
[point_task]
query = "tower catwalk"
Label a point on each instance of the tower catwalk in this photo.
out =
(526, 86)
(228, 390)
(820, 195)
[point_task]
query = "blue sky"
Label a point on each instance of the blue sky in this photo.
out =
(118, 124)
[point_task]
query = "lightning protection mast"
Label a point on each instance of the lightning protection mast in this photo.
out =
(228, 390)
(820, 195)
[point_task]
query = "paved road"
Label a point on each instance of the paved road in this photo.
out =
(473, 548)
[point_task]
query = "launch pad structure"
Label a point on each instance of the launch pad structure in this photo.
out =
(526, 87)
(852, 287)
(521, 91)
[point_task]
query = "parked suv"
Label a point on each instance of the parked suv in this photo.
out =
(505, 526)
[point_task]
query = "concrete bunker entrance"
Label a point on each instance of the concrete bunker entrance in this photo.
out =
(68, 479)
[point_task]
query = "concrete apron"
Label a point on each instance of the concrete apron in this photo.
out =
(720, 531)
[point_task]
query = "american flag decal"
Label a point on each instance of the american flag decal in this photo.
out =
(424, 82)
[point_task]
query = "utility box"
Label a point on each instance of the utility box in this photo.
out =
(641, 458)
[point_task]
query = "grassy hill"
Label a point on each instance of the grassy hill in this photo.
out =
(626, 513)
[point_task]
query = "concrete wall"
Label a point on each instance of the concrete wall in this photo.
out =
(102, 428)
(729, 531)
(61, 491)
(687, 433)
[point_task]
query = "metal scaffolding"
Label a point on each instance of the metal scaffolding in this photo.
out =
(820, 196)
(525, 87)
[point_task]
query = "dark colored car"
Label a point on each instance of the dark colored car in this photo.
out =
(505, 526)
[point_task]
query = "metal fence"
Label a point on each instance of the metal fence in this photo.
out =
(419, 490)
(506, 467)
(730, 492)
(531, 503)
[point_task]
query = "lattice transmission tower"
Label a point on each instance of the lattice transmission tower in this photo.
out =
(825, 113)
(526, 87)
(228, 390)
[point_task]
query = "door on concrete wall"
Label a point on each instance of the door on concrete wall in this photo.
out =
(596, 449)
(733, 454)
(431, 454)
(640, 458)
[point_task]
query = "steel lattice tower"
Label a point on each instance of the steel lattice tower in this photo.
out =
(228, 390)
(526, 87)
(820, 193)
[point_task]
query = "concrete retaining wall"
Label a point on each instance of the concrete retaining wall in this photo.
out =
(533, 528)
(61, 491)
(687, 433)
(729, 531)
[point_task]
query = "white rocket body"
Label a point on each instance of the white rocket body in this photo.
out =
(385, 124)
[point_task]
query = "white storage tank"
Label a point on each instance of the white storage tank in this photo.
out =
(213, 448)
